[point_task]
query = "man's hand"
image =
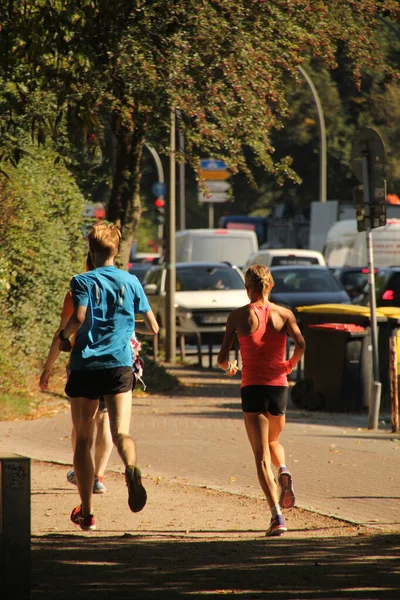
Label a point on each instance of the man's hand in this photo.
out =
(64, 346)
(44, 380)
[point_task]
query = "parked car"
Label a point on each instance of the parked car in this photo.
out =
(387, 288)
(353, 279)
(305, 286)
(205, 295)
(140, 269)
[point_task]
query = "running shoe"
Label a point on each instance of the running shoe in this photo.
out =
(86, 523)
(137, 494)
(277, 526)
(98, 486)
(287, 497)
(71, 477)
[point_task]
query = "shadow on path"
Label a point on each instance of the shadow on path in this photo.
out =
(148, 568)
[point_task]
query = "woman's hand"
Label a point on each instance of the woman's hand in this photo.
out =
(232, 369)
(288, 366)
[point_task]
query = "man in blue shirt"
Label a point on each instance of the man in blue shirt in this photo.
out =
(105, 303)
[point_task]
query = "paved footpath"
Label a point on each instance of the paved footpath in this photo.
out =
(340, 468)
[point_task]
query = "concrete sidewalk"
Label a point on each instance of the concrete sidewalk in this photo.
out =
(340, 468)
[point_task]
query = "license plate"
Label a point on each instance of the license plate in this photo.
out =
(210, 319)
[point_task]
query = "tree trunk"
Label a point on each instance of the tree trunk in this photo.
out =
(125, 208)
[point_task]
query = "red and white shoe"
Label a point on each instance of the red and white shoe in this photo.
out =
(86, 523)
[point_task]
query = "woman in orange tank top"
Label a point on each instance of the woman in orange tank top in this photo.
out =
(262, 329)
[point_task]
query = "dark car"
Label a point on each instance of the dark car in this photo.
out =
(140, 269)
(353, 279)
(387, 288)
(305, 286)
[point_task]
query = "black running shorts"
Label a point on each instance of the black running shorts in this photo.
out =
(92, 384)
(264, 398)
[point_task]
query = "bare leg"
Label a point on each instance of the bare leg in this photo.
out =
(73, 439)
(276, 425)
(257, 427)
(119, 409)
(83, 412)
(103, 443)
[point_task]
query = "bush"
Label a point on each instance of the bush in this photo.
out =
(41, 248)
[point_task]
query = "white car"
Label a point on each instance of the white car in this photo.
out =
(205, 295)
(280, 257)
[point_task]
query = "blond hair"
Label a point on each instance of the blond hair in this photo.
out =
(259, 279)
(104, 240)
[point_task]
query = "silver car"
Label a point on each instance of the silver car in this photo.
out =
(205, 295)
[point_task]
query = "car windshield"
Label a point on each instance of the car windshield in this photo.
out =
(189, 279)
(304, 280)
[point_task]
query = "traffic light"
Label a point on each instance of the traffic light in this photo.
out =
(160, 212)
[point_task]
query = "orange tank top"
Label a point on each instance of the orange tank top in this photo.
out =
(263, 353)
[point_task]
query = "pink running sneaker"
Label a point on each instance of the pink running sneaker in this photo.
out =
(86, 523)
(277, 526)
(287, 497)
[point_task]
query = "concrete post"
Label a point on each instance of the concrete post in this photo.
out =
(15, 528)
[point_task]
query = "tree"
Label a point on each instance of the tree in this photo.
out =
(121, 67)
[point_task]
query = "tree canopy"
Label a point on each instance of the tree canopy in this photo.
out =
(104, 76)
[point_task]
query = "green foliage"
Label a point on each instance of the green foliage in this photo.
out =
(156, 377)
(41, 248)
(223, 64)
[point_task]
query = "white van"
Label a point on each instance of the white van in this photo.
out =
(279, 257)
(346, 247)
(215, 245)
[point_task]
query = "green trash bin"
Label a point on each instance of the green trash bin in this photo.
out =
(337, 368)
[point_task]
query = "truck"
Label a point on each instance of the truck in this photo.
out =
(215, 245)
(347, 247)
(272, 231)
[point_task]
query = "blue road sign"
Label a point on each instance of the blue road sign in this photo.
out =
(211, 164)
(159, 189)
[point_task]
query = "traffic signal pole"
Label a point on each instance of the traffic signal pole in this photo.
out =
(373, 413)
(170, 325)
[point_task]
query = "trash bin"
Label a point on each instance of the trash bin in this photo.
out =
(337, 363)
(337, 368)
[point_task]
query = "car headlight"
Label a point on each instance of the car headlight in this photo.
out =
(184, 315)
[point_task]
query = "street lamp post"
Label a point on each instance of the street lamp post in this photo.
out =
(322, 154)
(170, 324)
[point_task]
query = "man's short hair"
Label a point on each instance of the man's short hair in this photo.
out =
(104, 239)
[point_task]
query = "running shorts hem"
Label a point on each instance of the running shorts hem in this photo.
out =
(92, 384)
(264, 398)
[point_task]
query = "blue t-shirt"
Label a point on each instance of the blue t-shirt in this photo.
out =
(112, 298)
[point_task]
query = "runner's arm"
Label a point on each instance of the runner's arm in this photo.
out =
(54, 352)
(74, 323)
(149, 325)
(227, 343)
(299, 344)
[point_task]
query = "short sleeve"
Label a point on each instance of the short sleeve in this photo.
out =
(80, 291)
(141, 304)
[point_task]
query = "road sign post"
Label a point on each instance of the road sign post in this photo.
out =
(215, 173)
(368, 160)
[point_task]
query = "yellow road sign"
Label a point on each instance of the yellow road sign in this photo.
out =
(215, 175)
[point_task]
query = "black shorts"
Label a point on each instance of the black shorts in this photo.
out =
(265, 398)
(93, 384)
